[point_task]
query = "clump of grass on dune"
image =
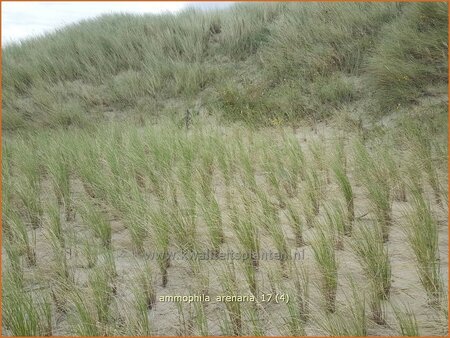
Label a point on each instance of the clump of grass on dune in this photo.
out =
(373, 174)
(24, 313)
(269, 215)
(296, 158)
(229, 286)
(270, 167)
(420, 145)
(22, 239)
(350, 322)
(279, 240)
(186, 177)
(226, 163)
(282, 164)
(395, 175)
(250, 276)
(88, 168)
(28, 187)
(91, 307)
(60, 289)
(422, 233)
(307, 208)
(319, 159)
(58, 166)
(152, 155)
(90, 252)
(213, 219)
(339, 169)
(54, 227)
(97, 223)
(102, 291)
(336, 223)
(186, 325)
(296, 223)
(136, 215)
(314, 193)
(246, 229)
(83, 318)
(13, 266)
(406, 321)
(206, 169)
(161, 229)
(109, 262)
(294, 324)
(374, 259)
(146, 284)
(252, 315)
(201, 320)
(301, 291)
(58, 244)
(202, 277)
(139, 322)
(184, 229)
(136, 154)
(6, 191)
(193, 319)
(247, 168)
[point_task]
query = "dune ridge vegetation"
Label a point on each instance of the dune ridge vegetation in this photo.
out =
(260, 63)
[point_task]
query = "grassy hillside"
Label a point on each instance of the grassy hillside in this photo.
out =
(318, 160)
(262, 63)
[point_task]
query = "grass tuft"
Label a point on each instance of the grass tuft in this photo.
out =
(324, 255)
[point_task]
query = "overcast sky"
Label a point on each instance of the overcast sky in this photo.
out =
(25, 19)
